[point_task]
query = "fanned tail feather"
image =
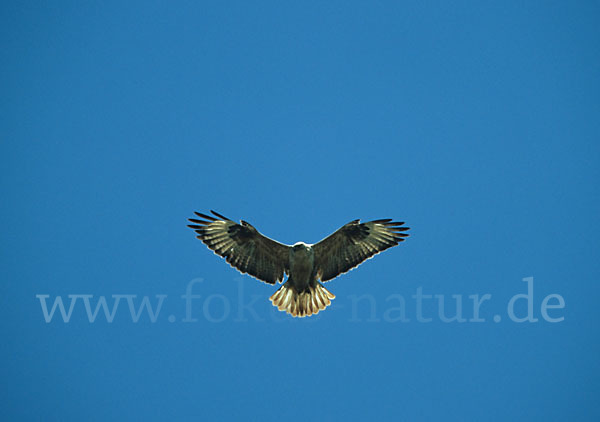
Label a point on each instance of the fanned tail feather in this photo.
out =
(306, 303)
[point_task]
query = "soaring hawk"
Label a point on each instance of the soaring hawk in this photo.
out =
(247, 250)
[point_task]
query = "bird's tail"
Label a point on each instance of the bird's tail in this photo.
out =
(306, 303)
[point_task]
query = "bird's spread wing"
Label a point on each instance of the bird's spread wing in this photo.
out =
(354, 243)
(243, 247)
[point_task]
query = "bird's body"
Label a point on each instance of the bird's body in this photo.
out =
(302, 262)
(250, 252)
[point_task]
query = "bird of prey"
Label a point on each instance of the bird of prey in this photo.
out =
(247, 250)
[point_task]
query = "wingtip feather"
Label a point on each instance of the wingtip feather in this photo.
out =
(219, 215)
(206, 217)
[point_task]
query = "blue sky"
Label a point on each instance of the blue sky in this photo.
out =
(477, 123)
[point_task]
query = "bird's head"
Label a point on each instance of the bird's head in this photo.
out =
(299, 246)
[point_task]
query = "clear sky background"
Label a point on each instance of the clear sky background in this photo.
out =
(477, 123)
